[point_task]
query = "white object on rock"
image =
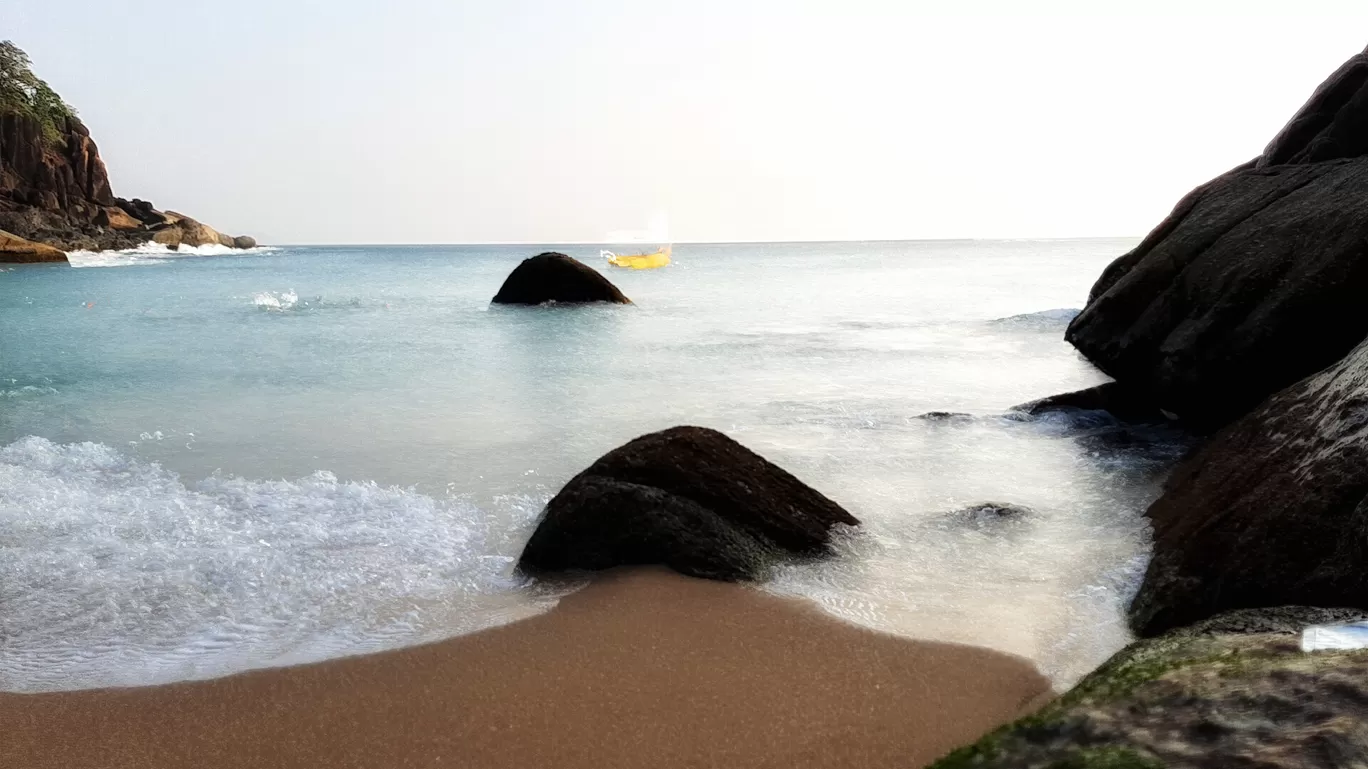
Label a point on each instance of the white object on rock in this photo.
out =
(1348, 635)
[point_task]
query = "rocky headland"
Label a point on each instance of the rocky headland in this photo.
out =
(55, 194)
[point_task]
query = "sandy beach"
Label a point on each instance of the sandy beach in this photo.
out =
(641, 668)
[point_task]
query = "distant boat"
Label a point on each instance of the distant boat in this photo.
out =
(658, 258)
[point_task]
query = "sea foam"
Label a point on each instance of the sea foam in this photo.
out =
(114, 572)
(153, 253)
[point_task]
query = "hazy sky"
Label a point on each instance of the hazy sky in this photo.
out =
(427, 121)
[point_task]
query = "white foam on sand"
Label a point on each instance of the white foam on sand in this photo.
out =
(115, 572)
(153, 253)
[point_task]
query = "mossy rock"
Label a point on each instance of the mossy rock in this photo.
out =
(1212, 694)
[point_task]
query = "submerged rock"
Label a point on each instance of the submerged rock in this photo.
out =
(1122, 402)
(1255, 280)
(946, 416)
(15, 249)
(1274, 510)
(554, 277)
(689, 498)
(1217, 694)
(987, 516)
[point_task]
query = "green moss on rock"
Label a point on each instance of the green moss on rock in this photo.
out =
(1107, 758)
(1202, 696)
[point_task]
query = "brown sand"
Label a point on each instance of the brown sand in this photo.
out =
(644, 668)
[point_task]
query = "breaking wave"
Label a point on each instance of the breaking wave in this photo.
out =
(153, 253)
(115, 572)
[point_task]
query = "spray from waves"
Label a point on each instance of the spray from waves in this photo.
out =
(285, 301)
(276, 302)
(113, 572)
(155, 253)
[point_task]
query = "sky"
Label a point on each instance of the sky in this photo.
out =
(439, 121)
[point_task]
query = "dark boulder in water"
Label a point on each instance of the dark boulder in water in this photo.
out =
(1255, 280)
(553, 277)
(1274, 510)
(689, 498)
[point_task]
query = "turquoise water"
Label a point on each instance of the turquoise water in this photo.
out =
(213, 463)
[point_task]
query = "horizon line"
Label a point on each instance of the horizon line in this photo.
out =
(708, 242)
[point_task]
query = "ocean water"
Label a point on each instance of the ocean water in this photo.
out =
(211, 462)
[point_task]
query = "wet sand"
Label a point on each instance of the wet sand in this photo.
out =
(643, 668)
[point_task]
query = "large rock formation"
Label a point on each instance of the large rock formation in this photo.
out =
(554, 277)
(1273, 510)
(15, 249)
(52, 173)
(689, 498)
(1255, 280)
(54, 188)
(1233, 692)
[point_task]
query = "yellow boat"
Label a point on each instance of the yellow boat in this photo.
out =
(659, 258)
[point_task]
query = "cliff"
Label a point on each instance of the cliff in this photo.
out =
(54, 189)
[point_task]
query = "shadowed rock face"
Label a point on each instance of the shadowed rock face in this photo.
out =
(689, 498)
(1273, 510)
(1255, 280)
(554, 277)
(66, 176)
(1236, 691)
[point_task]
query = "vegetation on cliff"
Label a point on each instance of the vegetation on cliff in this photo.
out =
(24, 93)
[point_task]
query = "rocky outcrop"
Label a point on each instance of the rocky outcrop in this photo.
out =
(1233, 692)
(14, 249)
(554, 277)
(689, 498)
(54, 188)
(1255, 280)
(143, 212)
(116, 218)
(182, 230)
(1273, 510)
(1113, 397)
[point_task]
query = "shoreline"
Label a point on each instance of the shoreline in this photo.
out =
(642, 667)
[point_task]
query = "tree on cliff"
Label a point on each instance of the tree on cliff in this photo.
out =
(24, 93)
